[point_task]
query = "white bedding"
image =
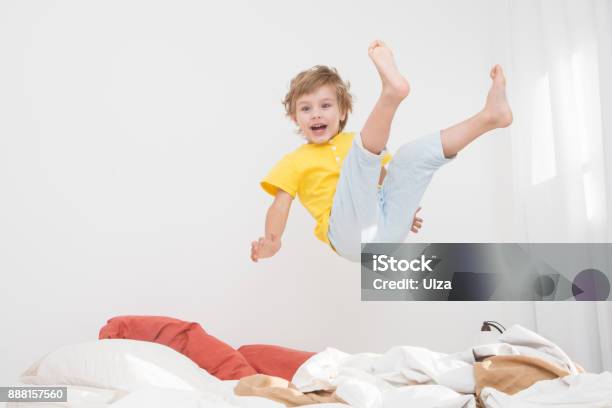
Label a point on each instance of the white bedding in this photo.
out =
(112, 374)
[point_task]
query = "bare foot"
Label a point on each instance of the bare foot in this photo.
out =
(394, 84)
(497, 110)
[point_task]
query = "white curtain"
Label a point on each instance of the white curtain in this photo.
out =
(561, 93)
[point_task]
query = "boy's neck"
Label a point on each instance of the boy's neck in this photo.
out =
(327, 141)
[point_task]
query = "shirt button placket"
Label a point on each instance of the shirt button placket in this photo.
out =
(333, 148)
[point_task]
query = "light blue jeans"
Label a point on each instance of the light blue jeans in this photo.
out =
(364, 212)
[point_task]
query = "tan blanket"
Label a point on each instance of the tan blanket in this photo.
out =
(281, 390)
(511, 374)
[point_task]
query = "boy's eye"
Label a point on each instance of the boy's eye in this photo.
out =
(327, 105)
(305, 108)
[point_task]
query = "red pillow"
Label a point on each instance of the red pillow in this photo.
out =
(274, 360)
(190, 339)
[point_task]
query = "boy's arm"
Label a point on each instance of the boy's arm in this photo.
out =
(276, 219)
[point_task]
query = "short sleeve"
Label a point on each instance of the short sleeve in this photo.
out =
(386, 159)
(284, 176)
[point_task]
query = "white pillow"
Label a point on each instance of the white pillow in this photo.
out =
(121, 364)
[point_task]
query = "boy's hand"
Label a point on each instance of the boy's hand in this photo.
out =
(417, 222)
(265, 247)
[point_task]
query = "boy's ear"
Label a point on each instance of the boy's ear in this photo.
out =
(343, 117)
(294, 120)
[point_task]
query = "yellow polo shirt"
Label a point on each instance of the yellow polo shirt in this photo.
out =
(312, 171)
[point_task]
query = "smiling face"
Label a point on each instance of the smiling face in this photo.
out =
(318, 115)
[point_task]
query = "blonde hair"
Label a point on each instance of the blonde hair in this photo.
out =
(310, 80)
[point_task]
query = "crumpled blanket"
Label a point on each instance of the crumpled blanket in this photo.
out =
(415, 376)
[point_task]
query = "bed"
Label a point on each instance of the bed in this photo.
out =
(123, 373)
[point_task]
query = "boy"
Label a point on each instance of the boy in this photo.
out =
(337, 174)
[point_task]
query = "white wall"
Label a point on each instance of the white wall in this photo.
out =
(132, 139)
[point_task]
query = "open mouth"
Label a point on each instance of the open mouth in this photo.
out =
(318, 127)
